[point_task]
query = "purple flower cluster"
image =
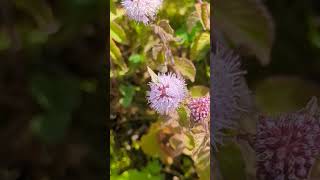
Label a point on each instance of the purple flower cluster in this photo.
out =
(199, 108)
(287, 146)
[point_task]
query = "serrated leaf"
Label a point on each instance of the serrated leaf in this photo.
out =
(117, 33)
(246, 22)
(200, 47)
(185, 67)
(116, 56)
(203, 12)
(199, 91)
(154, 76)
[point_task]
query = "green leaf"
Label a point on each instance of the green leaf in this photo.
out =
(230, 157)
(200, 47)
(112, 7)
(183, 116)
(117, 33)
(51, 127)
(114, 15)
(149, 143)
(116, 56)
(185, 67)
(136, 58)
(199, 91)
(5, 41)
(246, 22)
(127, 93)
(58, 97)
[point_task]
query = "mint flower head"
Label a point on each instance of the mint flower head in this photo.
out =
(166, 93)
(230, 96)
(141, 10)
(287, 146)
(199, 108)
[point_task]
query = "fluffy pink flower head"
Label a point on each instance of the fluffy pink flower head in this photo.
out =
(287, 146)
(141, 10)
(230, 95)
(200, 108)
(167, 93)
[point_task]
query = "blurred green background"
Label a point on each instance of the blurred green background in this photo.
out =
(53, 96)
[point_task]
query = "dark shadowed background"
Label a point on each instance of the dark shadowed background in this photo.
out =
(53, 97)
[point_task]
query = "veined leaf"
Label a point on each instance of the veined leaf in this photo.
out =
(185, 67)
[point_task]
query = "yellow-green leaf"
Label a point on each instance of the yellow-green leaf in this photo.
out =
(116, 56)
(117, 33)
(185, 67)
(200, 47)
(199, 91)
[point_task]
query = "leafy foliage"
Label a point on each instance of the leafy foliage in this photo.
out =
(177, 41)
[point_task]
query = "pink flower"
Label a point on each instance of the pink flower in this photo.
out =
(166, 95)
(200, 108)
(141, 10)
(287, 146)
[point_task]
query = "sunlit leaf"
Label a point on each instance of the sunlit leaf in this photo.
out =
(200, 47)
(112, 7)
(185, 67)
(199, 91)
(203, 12)
(117, 33)
(116, 56)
